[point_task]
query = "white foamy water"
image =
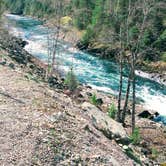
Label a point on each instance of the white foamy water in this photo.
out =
(103, 89)
(34, 47)
(155, 102)
(150, 76)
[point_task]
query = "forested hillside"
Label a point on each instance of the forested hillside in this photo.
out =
(100, 22)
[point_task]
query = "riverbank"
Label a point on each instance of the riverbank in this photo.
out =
(77, 108)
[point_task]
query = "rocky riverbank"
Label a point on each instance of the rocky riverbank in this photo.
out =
(69, 130)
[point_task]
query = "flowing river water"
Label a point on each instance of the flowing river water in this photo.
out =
(98, 73)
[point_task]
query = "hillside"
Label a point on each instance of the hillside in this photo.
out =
(43, 126)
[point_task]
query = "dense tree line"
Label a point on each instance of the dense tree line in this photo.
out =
(96, 19)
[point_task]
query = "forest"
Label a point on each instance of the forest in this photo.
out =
(100, 22)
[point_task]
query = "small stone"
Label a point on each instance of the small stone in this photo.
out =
(11, 65)
(145, 151)
(99, 101)
(125, 147)
(80, 96)
(89, 94)
(88, 87)
(120, 145)
(3, 63)
(45, 140)
(145, 114)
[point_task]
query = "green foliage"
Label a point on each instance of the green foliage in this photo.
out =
(97, 12)
(135, 136)
(93, 99)
(98, 17)
(148, 38)
(82, 20)
(155, 153)
(112, 111)
(161, 42)
(131, 154)
(2, 7)
(71, 80)
(88, 36)
(82, 17)
(31, 7)
(163, 57)
(15, 6)
(134, 32)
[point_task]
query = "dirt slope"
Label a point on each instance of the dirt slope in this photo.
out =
(41, 126)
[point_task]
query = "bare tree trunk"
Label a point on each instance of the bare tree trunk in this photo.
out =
(126, 99)
(55, 48)
(48, 54)
(133, 92)
(120, 89)
(118, 118)
(58, 12)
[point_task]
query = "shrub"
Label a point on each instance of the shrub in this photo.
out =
(135, 137)
(88, 35)
(93, 99)
(163, 57)
(154, 153)
(112, 111)
(133, 156)
(71, 80)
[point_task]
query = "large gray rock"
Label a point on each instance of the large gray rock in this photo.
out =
(104, 123)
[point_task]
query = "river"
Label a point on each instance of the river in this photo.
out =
(98, 73)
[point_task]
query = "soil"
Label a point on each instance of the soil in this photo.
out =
(41, 126)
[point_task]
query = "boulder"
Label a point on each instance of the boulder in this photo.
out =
(88, 87)
(148, 115)
(89, 94)
(145, 114)
(54, 82)
(104, 123)
(11, 65)
(99, 101)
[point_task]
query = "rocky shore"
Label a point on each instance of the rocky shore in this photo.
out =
(72, 130)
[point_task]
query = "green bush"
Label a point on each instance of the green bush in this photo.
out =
(88, 36)
(135, 137)
(133, 156)
(71, 80)
(154, 153)
(112, 111)
(93, 99)
(163, 57)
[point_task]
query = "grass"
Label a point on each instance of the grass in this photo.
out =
(155, 153)
(93, 99)
(131, 155)
(31, 77)
(112, 111)
(135, 136)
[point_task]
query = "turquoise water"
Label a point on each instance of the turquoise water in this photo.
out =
(91, 70)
